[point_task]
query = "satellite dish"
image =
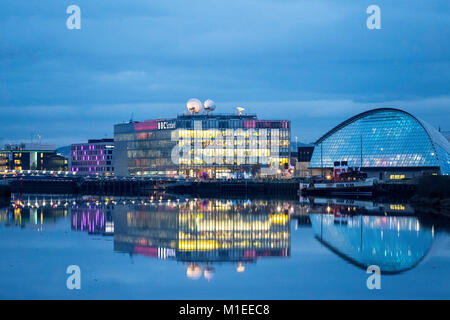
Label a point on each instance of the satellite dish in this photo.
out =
(209, 105)
(209, 272)
(194, 106)
(239, 110)
(194, 272)
(240, 268)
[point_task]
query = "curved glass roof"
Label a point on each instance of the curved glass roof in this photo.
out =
(383, 137)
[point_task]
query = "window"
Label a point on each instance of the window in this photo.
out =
(397, 176)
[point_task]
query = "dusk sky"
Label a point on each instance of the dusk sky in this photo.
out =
(313, 62)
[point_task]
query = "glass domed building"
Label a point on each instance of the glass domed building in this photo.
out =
(386, 143)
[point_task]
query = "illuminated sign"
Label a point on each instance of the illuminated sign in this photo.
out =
(164, 125)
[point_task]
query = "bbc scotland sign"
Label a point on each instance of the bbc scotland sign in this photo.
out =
(164, 125)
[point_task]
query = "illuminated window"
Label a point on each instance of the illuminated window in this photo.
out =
(397, 176)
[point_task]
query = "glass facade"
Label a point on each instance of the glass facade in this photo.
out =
(202, 145)
(383, 138)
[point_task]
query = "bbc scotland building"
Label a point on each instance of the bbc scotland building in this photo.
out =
(203, 145)
(387, 143)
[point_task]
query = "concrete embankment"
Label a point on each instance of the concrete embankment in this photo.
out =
(395, 190)
(85, 186)
(47, 186)
(432, 195)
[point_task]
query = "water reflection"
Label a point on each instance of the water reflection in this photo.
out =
(356, 206)
(366, 233)
(395, 244)
(31, 218)
(198, 233)
(204, 233)
(93, 218)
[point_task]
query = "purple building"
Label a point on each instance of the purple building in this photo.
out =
(94, 157)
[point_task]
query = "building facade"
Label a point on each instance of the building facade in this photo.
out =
(94, 157)
(304, 154)
(203, 145)
(5, 160)
(388, 144)
(26, 156)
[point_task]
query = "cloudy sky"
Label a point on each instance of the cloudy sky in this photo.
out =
(311, 61)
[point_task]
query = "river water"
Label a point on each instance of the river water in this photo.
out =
(181, 248)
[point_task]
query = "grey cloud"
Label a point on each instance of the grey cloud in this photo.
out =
(310, 58)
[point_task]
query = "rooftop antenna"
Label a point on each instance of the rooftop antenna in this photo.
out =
(132, 116)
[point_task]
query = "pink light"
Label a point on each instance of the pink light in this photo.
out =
(249, 124)
(150, 252)
(146, 125)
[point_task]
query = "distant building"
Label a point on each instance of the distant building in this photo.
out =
(29, 147)
(388, 144)
(203, 145)
(64, 151)
(93, 157)
(4, 160)
(31, 156)
(294, 153)
(304, 154)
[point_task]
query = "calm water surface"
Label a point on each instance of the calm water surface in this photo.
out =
(168, 248)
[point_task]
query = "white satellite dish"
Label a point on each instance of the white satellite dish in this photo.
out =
(194, 106)
(240, 110)
(209, 106)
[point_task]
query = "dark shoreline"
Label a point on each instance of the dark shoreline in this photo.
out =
(427, 193)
